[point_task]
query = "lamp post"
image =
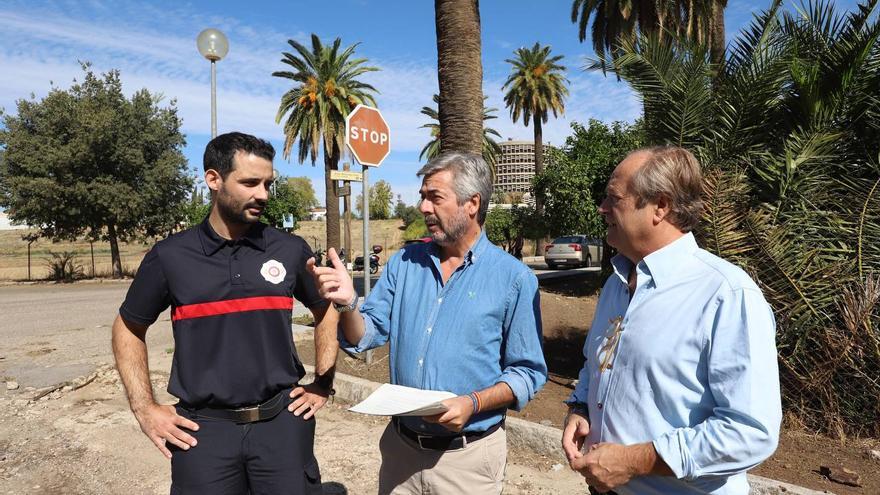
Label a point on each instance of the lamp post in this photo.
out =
(213, 45)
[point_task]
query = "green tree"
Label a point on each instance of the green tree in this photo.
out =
(291, 196)
(789, 137)
(576, 174)
(417, 229)
(536, 87)
(509, 227)
(491, 148)
(197, 208)
(613, 22)
(380, 201)
(89, 161)
(302, 187)
(408, 214)
(326, 88)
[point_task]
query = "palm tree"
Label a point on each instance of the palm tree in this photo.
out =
(326, 89)
(614, 21)
(491, 148)
(789, 135)
(535, 87)
(460, 75)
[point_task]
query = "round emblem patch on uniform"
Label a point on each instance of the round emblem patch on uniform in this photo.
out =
(273, 271)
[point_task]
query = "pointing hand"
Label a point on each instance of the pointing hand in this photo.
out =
(333, 283)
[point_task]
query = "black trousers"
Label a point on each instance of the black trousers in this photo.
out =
(274, 456)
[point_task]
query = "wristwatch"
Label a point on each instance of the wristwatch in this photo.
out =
(345, 308)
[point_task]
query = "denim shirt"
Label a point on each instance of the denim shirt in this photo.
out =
(694, 371)
(482, 327)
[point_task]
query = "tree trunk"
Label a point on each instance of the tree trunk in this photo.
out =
(115, 260)
(539, 168)
(717, 34)
(460, 75)
(331, 162)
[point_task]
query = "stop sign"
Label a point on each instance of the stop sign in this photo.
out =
(367, 135)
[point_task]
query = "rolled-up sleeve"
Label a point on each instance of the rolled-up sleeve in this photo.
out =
(376, 311)
(743, 374)
(523, 365)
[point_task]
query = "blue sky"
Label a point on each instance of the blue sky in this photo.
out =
(153, 44)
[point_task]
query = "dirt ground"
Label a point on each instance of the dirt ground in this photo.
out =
(65, 427)
(567, 307)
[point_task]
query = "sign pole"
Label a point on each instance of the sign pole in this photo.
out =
(368, 137)
(366, 221)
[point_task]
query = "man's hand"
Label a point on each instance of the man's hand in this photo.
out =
(307, 399)
(577, 427)
(162, 424)
(606, 466)
(334, 284)
(459, 412)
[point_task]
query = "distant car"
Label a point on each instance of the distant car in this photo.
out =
(573, 250)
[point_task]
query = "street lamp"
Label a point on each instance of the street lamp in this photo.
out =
(213, 45)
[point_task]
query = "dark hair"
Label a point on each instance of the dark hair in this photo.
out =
(221, 150)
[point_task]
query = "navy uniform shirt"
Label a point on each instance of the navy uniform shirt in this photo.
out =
(231, 311)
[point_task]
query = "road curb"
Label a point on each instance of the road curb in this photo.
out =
(543, 440)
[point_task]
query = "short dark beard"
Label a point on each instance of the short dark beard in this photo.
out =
(231, 213)
(450, 234)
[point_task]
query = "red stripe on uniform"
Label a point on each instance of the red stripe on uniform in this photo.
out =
(231, 306)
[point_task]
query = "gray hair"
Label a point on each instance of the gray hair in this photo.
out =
(674, 173)
(470, 175)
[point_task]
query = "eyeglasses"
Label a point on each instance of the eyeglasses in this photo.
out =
(612, 339)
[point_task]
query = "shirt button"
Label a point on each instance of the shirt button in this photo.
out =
(420, 362)
(599, 405)
(237, 275)
(429, 329)
(439, 300)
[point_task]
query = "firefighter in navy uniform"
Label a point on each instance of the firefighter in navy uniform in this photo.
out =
(243, 424)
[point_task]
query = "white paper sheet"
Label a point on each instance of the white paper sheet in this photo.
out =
(397, 400)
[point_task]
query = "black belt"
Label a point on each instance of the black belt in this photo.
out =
(434, 442)
(251, 414)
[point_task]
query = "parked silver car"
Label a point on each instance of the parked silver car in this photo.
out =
(573, 250)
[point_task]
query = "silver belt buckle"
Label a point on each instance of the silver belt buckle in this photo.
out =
(250, 414)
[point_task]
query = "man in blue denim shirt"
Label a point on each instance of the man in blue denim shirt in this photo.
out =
(461, 315)
(679, 393)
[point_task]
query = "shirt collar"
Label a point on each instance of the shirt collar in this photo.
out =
(478, 248)
(212, 242)
(476, 251)
(662, 264)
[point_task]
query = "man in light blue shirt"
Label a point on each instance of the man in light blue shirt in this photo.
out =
(679, 392)
(461, 315)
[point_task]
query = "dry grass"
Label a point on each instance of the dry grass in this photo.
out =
(14, 257)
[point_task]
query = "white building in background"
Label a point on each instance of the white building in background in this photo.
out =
(515, 166)
(5, 223)
(318, 214)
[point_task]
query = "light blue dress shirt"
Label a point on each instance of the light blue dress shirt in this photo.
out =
(694, 371)
(480, 328)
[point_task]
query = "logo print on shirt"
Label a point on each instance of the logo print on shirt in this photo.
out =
(273, 272)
